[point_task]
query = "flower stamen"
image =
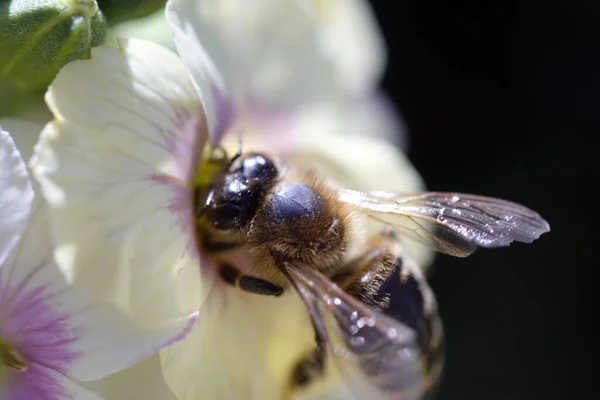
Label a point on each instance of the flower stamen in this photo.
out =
(11, 358)
(214, 160)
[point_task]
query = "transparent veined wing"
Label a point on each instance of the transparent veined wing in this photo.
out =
(378, 357)
(451, 223)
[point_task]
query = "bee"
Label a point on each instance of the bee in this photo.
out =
(371, 308)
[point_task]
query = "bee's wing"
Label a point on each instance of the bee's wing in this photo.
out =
(451, 223)
(378, 357)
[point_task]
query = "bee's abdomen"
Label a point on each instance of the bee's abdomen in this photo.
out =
(406, 302)
(407, 293)
(391, 284)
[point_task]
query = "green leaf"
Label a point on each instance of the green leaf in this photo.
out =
(38, 37)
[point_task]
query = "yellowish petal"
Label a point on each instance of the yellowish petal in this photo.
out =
(144, 380)
(281, 53)
(243, 347)
(206, 77)
(153, 27)
(377, 116)
(350, 39)
(108, 165)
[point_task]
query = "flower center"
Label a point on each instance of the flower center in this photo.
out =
(214, 161)
(10, 357)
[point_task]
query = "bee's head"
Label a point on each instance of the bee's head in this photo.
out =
(234, 194)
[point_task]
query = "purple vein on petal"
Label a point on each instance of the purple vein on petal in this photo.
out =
(174, 339)
(38, 382)
(5, 296)
(185, 146)
(38, 332)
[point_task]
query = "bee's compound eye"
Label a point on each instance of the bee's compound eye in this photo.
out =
(258, 169)
(225, 216)
(231, 206)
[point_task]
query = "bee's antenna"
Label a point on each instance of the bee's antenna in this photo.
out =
(204, 208)
(202, 211)
(215, 156)
(237, 154)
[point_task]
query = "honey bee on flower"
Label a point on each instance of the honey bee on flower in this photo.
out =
(152, 213)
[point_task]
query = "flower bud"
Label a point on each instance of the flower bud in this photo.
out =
(117, 11)
(38, 37)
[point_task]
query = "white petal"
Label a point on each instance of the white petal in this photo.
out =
(153, 27)
(281, 53)
(378, 117)
(204, 73)
(110, 342)
(128, 125)
(41, 382)
(16, 195)
(243, 347)
(60, 326)
(350, 38)
(144, 380)
(359, 162)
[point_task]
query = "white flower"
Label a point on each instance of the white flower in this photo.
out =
(51, 334)
(144, 381)
(277, 53)
(275, 57)
(119, 163)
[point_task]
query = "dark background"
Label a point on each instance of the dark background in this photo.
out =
(502, 99)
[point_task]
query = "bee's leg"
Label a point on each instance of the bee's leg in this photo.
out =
(387, 279)
(367, 274)
(214, 246)
(309, 368)
(380, 270)
(258, 286)
(376, 265)
(312, 366)
(247, 283)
